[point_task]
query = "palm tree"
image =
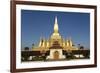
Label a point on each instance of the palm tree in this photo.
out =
(26, 55)
(79, 49)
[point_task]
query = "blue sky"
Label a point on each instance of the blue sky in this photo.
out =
(36, 24)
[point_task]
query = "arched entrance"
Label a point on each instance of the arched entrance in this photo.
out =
(56, 55)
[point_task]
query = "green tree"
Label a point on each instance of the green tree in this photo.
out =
(26, 48)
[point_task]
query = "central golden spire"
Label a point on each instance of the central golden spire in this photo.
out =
(56, 26)
(56, 30)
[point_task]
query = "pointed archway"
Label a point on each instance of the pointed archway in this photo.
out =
(56, 55)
